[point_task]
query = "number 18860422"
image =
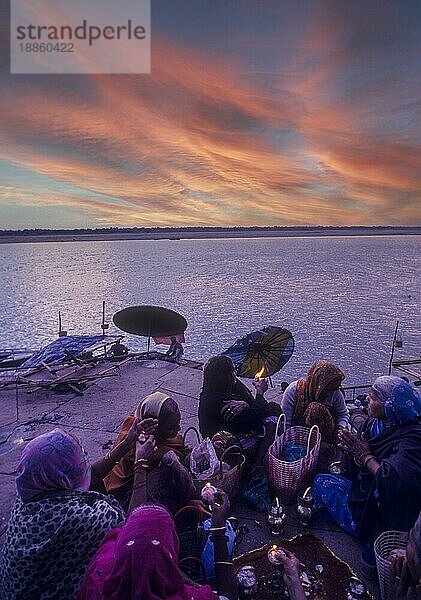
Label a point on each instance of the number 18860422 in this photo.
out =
(46, 47)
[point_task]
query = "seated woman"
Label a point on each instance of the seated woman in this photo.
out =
(169, 483)
(56, 524)
(385, 491)
(318, 400)
(141, 560)
(225, 403)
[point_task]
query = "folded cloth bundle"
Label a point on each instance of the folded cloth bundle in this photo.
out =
(292, 451)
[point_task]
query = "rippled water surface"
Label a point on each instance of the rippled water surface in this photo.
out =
(340, 297)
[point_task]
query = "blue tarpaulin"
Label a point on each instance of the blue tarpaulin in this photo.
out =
(56, 351)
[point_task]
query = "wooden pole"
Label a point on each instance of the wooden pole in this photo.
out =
(104, 326)
(393, 348)
(61, 332)
(103, 318)
(266, 368)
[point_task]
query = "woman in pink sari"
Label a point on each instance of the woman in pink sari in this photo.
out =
(140, 561)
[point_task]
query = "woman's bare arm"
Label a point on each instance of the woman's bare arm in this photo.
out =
(143, 452)
(103, 466)
(226, 584)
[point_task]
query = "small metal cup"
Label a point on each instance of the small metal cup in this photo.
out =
(248, 584)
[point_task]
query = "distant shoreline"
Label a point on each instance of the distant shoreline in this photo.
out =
(201, 234)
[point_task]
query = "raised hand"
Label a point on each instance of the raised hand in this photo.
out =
(290, 562)
(261, 385)
(220, 506)
(351, 444)
(146, 449)
(402, 588)
(147, 426)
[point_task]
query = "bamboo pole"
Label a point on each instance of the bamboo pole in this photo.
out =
(393, 348)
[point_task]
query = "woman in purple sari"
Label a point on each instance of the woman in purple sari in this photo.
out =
(384, 492)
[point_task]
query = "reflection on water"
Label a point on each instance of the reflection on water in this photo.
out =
(340, 297)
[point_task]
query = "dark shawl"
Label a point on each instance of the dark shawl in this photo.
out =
(398, 480)
(211, 420)
(49, 542)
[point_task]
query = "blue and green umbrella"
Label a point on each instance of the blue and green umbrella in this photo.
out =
(263, 352)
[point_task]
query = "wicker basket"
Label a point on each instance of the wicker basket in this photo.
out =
(287, 478)
(229, 482)
(188, 521)
(383, 546)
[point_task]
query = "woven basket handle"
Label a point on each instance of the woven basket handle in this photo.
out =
(281, 419)
(196, 560)
(195, 431)
(237, 450)
(201, 512)
(313, 429)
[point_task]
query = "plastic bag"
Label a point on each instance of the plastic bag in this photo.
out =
(208, 553)
(257, 493)
(293, 452)
(203, 460)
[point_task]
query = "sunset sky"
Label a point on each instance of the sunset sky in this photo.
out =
(257, 112)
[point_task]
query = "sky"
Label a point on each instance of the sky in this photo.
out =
(256, 112)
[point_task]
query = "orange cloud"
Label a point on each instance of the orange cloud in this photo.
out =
(193, 144)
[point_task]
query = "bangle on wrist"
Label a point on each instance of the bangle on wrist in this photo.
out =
(360, 459)
(367, 460)
(223, 562)
(140, 467)
(140, 464)
(139, 485)
(214, 529)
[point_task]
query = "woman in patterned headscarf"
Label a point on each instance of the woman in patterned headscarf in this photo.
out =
(385, 491)
(57, 523)
(317, 400)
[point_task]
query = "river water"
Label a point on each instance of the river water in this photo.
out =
(339, 296)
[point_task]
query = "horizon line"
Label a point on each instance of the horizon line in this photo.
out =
(113, 229)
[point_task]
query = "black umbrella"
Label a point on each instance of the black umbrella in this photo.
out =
(150, 321)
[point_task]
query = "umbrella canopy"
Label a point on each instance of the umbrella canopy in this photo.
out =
(262, 352)
(154, 321)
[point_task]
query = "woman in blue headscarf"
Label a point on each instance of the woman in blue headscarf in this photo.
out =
(384, 492)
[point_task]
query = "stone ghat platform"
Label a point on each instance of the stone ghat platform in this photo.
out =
(95, 417)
